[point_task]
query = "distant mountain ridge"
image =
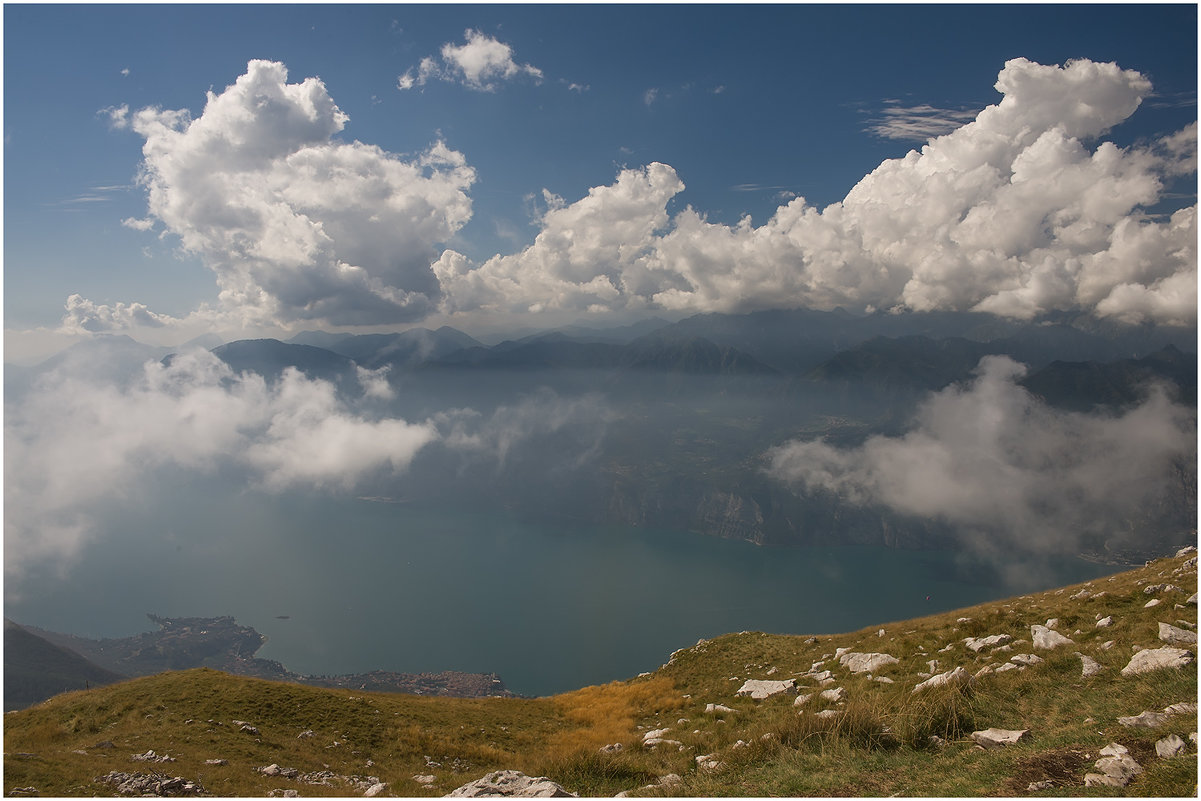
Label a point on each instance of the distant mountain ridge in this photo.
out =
(39, 664)
(36, 669)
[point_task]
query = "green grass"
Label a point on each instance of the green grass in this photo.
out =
(879, 743)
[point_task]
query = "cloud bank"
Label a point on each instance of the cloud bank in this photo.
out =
(1013, 213)
(1021, 211)
(989, 457)
(75, 442)
(84, 438)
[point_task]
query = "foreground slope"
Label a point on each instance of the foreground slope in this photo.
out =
(877, 737)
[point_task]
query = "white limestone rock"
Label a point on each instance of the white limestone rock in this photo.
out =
(1089, 666)
(802, 698)
(1046, 639)
(1170, 746)
(1176, 636)
(708, 762)
(654, 734)
(956, 676)
(977, 644)
(1105, 622)
(1182, 708)
(1145, 720)
(759, 689)
(866, 663)
(1151, 603)
(1029, 660)
(1117, 769)
(512, 784)
(998, 738)
(825, 714)
(1151, 659)
(835, 695)
(715, 708)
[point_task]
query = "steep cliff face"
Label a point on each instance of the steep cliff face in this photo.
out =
(761, 513)
(729, 515)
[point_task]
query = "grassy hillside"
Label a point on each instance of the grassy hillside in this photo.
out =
(875, 742)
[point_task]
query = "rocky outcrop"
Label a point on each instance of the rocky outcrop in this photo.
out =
(510, 784)
(866, 663)
(759, 689)
(977, 644)
(958, 676)
(1117, 768)
(1047, 639)
(998, 738)
(1170, 746)
(1157, 659)
(1174, 635)
(154, 785)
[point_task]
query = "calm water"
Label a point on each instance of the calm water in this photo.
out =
(368, 585)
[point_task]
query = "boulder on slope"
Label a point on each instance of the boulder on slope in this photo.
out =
(512, 784)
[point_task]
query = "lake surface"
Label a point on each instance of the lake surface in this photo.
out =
(370, 585)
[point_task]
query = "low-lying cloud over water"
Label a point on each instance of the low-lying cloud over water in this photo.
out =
(76, 441)
(1006, 469)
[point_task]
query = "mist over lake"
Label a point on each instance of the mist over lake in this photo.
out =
(368, 585)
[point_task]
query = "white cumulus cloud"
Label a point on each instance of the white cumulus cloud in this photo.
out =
(85, 316)
(296, 224)
(1018, 212)
(480, 63)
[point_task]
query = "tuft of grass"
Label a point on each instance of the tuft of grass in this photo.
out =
(947, 712)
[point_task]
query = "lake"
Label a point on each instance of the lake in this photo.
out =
(368, 585)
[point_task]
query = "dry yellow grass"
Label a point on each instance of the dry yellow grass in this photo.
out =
(608, 713)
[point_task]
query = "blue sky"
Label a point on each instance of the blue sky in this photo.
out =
(747, 108)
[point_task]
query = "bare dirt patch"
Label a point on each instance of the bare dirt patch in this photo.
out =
(1063, 766)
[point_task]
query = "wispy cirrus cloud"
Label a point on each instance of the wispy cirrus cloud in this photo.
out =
(918, 123)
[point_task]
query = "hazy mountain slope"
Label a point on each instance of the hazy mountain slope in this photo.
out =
(875, 734)
(404, 349)
(1085, 385)
(906, 363)
(221, 643)
(36, 669)
(270, 357)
